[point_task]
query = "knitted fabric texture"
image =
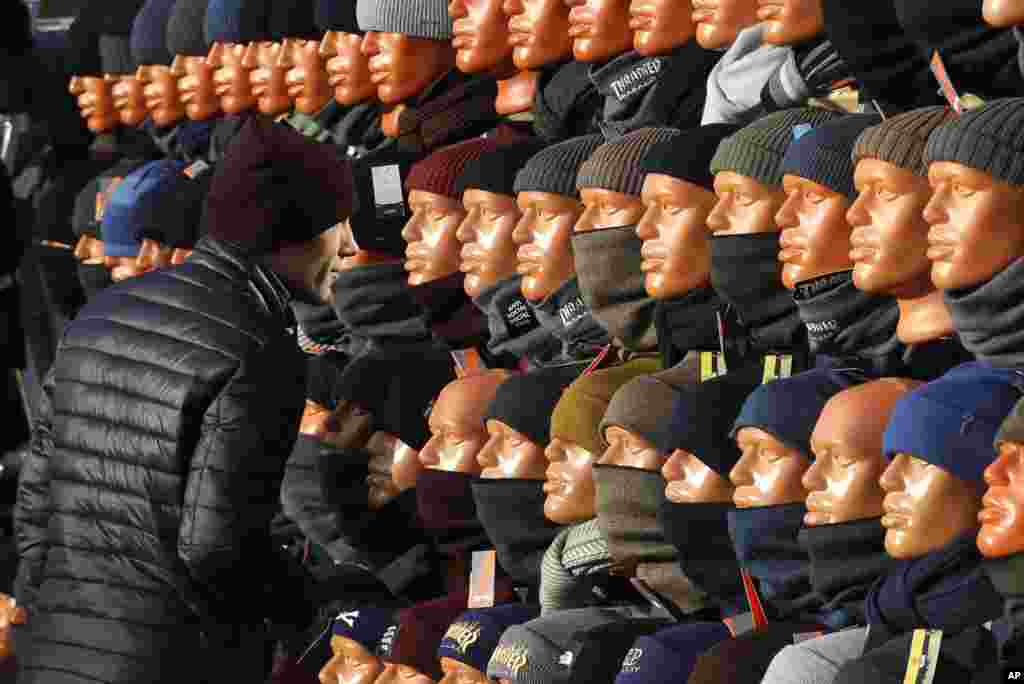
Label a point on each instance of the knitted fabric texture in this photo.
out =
(439, 173)
(116, 55)
(149, 33)
(688, 156)
(555, 168)
(616, 165)
(420, 19)
(185, 29)
(418, 633)
(237, 21)
(576, 551)
(526, 401)
(824, 154)
(900, 140)
(337, 15)
(495, 170)
(472, 638)
(1012, 427)
(989, 139)
(643, 406)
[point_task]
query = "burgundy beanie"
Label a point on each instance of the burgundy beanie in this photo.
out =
(276, 187)
(439, 173)
(414, 640)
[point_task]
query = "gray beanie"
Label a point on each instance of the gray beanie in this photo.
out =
(554, 168)
(116, 55)
(185, 34)
(988, 139)
(616, 166)
(416, 18)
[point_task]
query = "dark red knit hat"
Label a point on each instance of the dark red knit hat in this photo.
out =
(276, 187)
(419, 633)
(439, 173)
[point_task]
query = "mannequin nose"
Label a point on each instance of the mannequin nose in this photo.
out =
(521, 233)
(249, 57)
(215, 57)
(673, 468)
(740, 474)
(647, 229)
(371, 44)
(143, 74)
(892, 479)
(935, 211)
(430, 453)
(812, 479)
(456, 9)
(284, 57)
(329, 45)
(487, 456)
(465, 232)
(996, 473)
(786, 217)
(178, 66)
(856, 214)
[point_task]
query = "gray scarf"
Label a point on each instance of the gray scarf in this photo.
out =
(734, 86)
(988, 318)
(515, 332)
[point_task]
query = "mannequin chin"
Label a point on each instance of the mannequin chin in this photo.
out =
(660, 26)
(690, 480)
(720, 21)
(231, 77)
(977, 225)
(160, 90)
(629, 449)
(348, 69)
(788, 22)
(457, 423)
(402, 674)
(460, 673)
(599, 29)
(128, 100)
(351, 663)
(1002, 513)
(544, 236)
(847, 444)
(432, 250)
(394, 466)
(815, 239)
(538, 32)
(1003, 13)
(89, 250)
(570, 483)
(195, 87)
(267, 77)
(403, 66)
(305, 74)
(607, 209)
(768, 473)
(488, 253)
(926, 507)
(480, 36)
(676, 251)
(95, 102)
(745, 205)
(510, 455)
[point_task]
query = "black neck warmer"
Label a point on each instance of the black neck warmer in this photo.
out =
(319, 324)
(653, 91)
(711, 564)
(512, 513)
(687, 323)
(224, 131)
(355, 129)
(608, 267)
(988, 318)
(446, 507)
(566, 317)
(1007, 576)
(846, 559)
(514, 330)
(449, 313)
(185, 141)
(566, 104)
(931, 360)
(93, 277)
(746, 273)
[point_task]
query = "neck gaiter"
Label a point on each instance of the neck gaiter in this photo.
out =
(710, 563)
(988, 318)
(687, 323)
(446, 507)
(566, 104)
(319, 327)
(566, 317)
(449, 313)
(93, 277)
(1007, 576)
(514, 330)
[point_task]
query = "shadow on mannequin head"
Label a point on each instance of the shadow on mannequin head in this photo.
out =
(481, 39)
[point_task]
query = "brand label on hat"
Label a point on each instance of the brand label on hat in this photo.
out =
(511, 657)
(106, 189)
(481, 579)
(387, 641)
(518, 317)
(349, 618)
(572, 311)
(948, 89)
(387, 191)
(631, 663)
(464, 635)
(641, 76)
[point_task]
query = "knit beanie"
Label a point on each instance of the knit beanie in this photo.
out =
(952, 422)
(756, 151)
(989, 139)
(88, 203)
(237, 21)
(417, 634)
(420, 19)
(439, 172)
(337, 15)
(600, 650)
(688, 155)
(111, 18)
(149, 33)
(292, 19)
(185, 29)
(668, 655)
(364, 623)
(495, 170)
(578, 414)
(1012, 428)
(823, 155)
(472, 638)
(172, 216)
(525, 402)
(116, 55)
(122, 219)
(554, 169)
(15, 29)
(900, 140)
(275, 187)
(643, 406)
(615, 165)
(81, 56)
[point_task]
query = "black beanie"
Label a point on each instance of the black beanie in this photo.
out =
(688, 155)
(149, 33)
(292, 19)
(172, 216)
(185, 29)
(112, 18)
(703, 416)
(81, 56)
(989, 139)
(567, 103)
(525, 402)
(554, 169)
(825, 154)
(15, 29)
(116, 55)
(337, 15)
(495, 171)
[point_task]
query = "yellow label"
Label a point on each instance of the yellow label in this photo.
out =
(712, 365)
(777, 366)
(924, 656)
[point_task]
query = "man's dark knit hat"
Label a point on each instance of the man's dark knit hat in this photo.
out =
(149, 33)
(417, 633)
(525, 402)
(1012, 428)
(615, 165)
(439, 173)
(554, 169)
(472, 638)
(989, 139)
(900, 140)
(495, 170)
(337, 15)
(185, 29)
(688, 155)
(823, 155)
(237, 21)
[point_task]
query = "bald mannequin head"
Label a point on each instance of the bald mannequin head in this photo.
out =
(457, 424)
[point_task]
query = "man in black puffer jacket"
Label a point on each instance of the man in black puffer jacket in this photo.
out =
(144, 505)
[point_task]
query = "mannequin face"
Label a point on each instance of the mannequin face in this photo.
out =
(402, 674)
(351, 664)
(231, 77)
(433, 250)
(889, 242)
(153, 255)
(95, 102)
(509, 454)
(460, 673)
(89, 250)
(719, 21)
(179, 256)
(267, 78)
(1003, 13)
(538, 32)
(570, 483)
(488, 253)
(402, 66)
(689, 480)
(660, 26)
(128, 100)
(815, 239)
(788, 22)
(544, 237)
(977, 225)
(676, 251)
(122, 268)
(394, 466)
(926, 507)
(744, 206)
(481, 35)
(195, 86)
(1002, 515)
(630, 450)
(348, 69)
(160, 88)
(305, 74)
(457, 425)
(768, 473)
(599, 29)
(607, 209)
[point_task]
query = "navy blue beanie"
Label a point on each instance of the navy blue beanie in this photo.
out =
(149, 33)
(474, 636)
(122, 218)
(364, 624)
(824, 154)
(668, 656)
(952, 422)
(237, 21)
(337, 15)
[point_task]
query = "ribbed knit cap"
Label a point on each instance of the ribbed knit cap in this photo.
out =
(237, 21)
(419, 631)
(756, 151)
(554, 169)
(525, 402)
(472, 638)
(116, 55)
(989, 139)
(337, 15)
(440, 172)
(419, 19)
(688, 155)
(185, 29)
(823, 155)
(901, 140)
(292, 19)
(615, 165)
(149, 33)
(495, 171)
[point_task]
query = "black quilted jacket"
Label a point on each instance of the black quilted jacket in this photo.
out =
(143, 511)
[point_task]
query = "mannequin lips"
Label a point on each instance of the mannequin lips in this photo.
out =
(940, 246)
(746, 496)
(380, 69)
(529, 258)
(581, 21)
(993, 512)
(897, 516)
(678, 491)
(863, 244)
(818, 509)
(654, 255)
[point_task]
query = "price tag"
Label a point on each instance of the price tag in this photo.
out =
(924, 656)
(481, 579)
(712, 365)
(777, 366)
(948, 89)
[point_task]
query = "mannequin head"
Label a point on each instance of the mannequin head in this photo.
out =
(122, 267)
(1002, 515)
(89, 250)
(348, 69)
(509, 454)
(660, 26)
(457, 425)
(95, 102)
(843, 480)
(626, 448)
(433, 249)
(481, 36)
(305, 74)
(393, 465)
(538, 32)
(1003, 13)
(153, 255)
(488, 253)
(129, 100)
(719, 21)
(690, 480)
(769, 472)
(267, 77)
(231, 77)
(544, 237)
(160, 88)
(788, 22)
(403, 66)
(599, 29)
(456, 672)
(195, 87)
(676, 251)
(607, 209)
(351, 663)
(745, 205)
(570, 483)
(815, 239)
